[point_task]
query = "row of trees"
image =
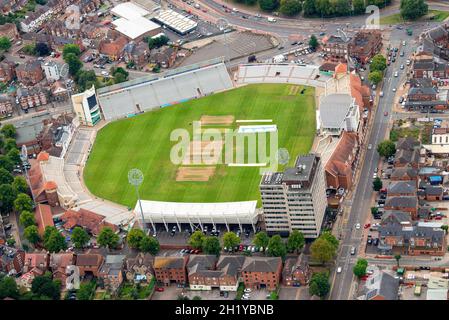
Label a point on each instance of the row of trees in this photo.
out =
(137, 239)
(317, 8)
(413, 9)
(377, 68)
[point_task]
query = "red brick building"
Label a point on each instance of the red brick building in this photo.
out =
(262, 272)
(365, 45)
(296, 272)
(7, 71)
(30, 72)
(89, 263)
(170, 269)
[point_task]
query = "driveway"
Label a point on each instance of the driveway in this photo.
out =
(291, 293)
(210, 295)
(169, 293)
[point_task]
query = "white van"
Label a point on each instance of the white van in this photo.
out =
(270, 19)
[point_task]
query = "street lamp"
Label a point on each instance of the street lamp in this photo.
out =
(135, 178)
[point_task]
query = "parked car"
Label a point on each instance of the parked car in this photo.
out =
(159, 289)
(352, 251)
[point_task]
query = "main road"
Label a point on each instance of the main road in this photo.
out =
(361, 201)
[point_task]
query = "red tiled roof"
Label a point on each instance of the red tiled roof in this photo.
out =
(50, 185)
(43, 156)
(341, 68)
(44, 217)
(338, 163)
(87, 219)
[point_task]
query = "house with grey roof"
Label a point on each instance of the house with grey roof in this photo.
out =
(401, 188)
(338, 112)
(404, 158)
(111, 272)
(407, 173)
(380, 286)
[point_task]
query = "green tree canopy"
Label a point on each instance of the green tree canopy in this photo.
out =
(43, 286)
(268, 5)
(413, 9)
(134, 238)
(377, 184)
(86, 290)
(196, 239)
(375, 77)
(108, 238)
(328, 236)
(295, 241)
(74, 63)
(322, 250)
(7, 197)
(5, 176)
(309, 8)
(150, 244)
(319, 284)
(14, 156)
(70, 49)
(211, 245)
(261, 239)
(20, 184)
(379, 63)
(54, 241)
(27, 219)
(10, 144)
(79, 237)
(5, 43)
(23, 202)
(8, 288)
(8, 131)
(42, 49)
(313, 42)
(6, 163)
(290, 7)
(359, 268)
(276, 247)
(230, 240)
(386, 148)
(31, 233)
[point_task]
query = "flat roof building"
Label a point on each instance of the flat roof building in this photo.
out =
(175, 21)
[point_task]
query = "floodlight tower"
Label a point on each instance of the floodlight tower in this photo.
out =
(222, 25)
(24, 158)
(135, 178)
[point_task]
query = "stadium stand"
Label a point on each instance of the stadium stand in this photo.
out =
(281, 73)
(178, 85)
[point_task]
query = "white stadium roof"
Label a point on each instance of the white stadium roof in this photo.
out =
(176, 21)
(183, 212)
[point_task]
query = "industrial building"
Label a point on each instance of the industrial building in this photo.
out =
(175, 21)
(296, 198)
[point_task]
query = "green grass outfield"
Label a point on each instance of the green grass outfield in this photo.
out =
(143, 142)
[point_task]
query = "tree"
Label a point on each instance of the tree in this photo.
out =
(44, 287)
(42, 49)
(397, 257)
(379, 63)
(342, 7)
(329, 237)
(7, 197)
(196, 239)
(27, 219)
(70, 49)
(290, 7)
(375, 77)
(6, 163)
(319, 284)
(20, 184)
(359, 268)
(386, 148)
(154, 43)
(85, 79)
(119, 78)
(5, 43)
(85, 292)
(359, 6)
(196, 298)
(10, 144)
(309, 8)
(322, 250)
(31, 233)
(230, 240)
(74, 63)
(261, 239)
(295, 241)
(313, 42)
(79, 237)
(374, 210)
(8, 288)
(55, 241)
(268, 5)
(14, 156)
(150, 244)
(5, 176)
(134, 238)
(445, 227)
(377, 184)
(8, 131)
(413, 9)
(108, 238)
(23, 202)
(211, 245)
(29, 49)
(276, 247)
